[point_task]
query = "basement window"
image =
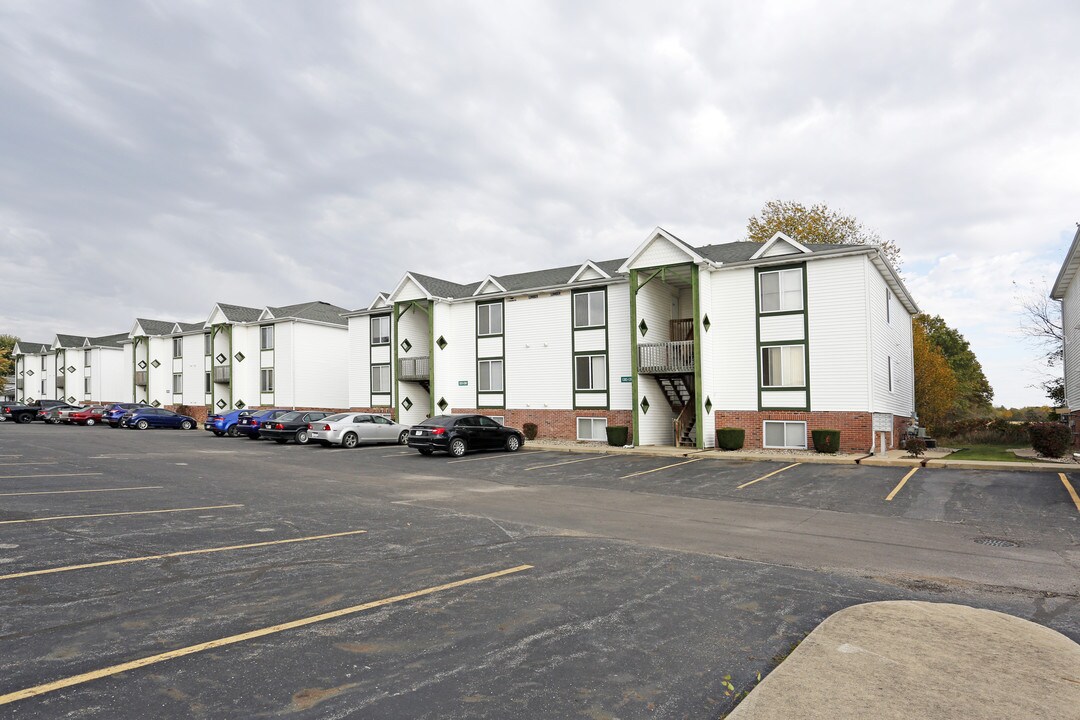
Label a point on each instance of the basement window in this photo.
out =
(784, 435)
(591, 428)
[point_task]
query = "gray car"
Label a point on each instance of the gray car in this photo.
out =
(352, 429)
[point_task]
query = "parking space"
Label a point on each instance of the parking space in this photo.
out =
(166, 573)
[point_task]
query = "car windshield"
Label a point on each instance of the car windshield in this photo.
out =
(338, 417)
(289, 417)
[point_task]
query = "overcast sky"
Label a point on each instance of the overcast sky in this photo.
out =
(158, 157)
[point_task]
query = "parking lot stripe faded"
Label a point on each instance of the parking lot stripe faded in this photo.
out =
(72, 492)
(899, 486)
(665, 467)
(233, 639)
(766, 477)
(1071, 489)
(180, 553)
(571, 462)
(502, 455)
(115, 514)
(23, 477)
(44, 462)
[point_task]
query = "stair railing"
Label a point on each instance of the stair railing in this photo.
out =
(682, 421)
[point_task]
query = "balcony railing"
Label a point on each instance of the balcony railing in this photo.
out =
(59, 381)
(666, 357)
(682, 329)
(141, 378)
(222, 373)
(414, 368)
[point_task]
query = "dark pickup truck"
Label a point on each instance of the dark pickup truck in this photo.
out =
(28, 413)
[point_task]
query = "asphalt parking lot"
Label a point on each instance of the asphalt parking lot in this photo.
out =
(174, 574)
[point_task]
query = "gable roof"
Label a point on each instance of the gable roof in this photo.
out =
(777, 239)
(316, 311)
(489, 281)
(109, 341)
(155, 327)
(185, 327)
(1069, 268)
(444, 288)
(69, 341)
(586, 267)
(31, 348)
(239, 313)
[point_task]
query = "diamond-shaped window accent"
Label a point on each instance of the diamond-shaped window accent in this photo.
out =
(71, 368)
(239, 357)
(441, 342)
(221, 358)
(71, 398)
(705, 323)
(142, 364)
(406, 403)
(30, 372)
(406, 345)
(708, 404)
(240, 405)
(645, 405)
(156, 364)
(29, 401)
(443, 404)
(222, 404)
(155, 403)
(643, 327)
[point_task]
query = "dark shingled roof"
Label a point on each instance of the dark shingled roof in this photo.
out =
(743, 251)
(188, 327)
(71, 341)
(155, 327)
(239, 313)
(33, 347)
(109, 340)
(316, 311)
(445, 288)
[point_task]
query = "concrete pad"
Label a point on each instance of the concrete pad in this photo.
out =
(885, 461)
(992, 465)
(909, 660)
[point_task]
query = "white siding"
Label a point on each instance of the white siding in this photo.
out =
(888, 339)
(539, 368)
(837, 300)
(735, 344)
(360, 358)
(109, 377)
(1070, 318)
(656, 425)
(194, 374)
(661, 252)
(783, 398)
(457, 363)
(589, 340)
(485, 346)
(410, 291)
(319, 360)
(619, 347)
(245, 373)
(285, 366)
(776, 328)
(707, 420)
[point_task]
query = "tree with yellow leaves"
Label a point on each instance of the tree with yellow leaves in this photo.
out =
(935, 382)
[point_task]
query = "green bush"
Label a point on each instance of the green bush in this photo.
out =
(915, 446)
(730, 438)
(530, 430)
(1050, 439)
(826, 441)
(617, 435)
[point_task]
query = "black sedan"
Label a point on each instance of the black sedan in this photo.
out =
(291, 426)
(457, 434)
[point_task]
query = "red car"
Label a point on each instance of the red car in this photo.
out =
(87, 416)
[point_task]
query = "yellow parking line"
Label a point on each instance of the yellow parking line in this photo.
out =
(233, 639)
(71, 492)
(896, 489)
(496, 457)
(766, 477)
(570, 462)
(114, 514)
(19, 477)
(665, 467)
(1071, 489)
(181, 553)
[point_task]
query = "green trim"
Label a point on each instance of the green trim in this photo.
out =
(698, 424)
(371, 359)
(574, 352)
(476, 352)
(633, 355)
(394, 364)
(805, 342)
(431, 355)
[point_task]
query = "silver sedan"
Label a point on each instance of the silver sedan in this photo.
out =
(351, 429)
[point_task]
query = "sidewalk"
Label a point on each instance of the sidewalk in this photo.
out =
(907, 660)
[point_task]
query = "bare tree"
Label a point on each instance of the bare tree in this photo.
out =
(1041, 323)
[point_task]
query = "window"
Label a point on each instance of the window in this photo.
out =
(178, 383)
(86, 386)
(487, 422)
(888, 370)
(499, 419)
(489, 375)
(380, 420)
(207, 343)
(207, 391)
(783, 366)
(888, 305)
(43, 362)
(266, 380)
(380, 379)
(380, 330)
(589, 309)
(779, 434)
(590, 372)
(86, 359)
(178, 347)
(781, 290)
(266, 337)
(489, 319)
(591, 428)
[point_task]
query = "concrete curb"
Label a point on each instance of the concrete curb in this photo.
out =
(991, 465)
(908, 660)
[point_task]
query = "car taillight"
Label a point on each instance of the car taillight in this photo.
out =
(255, 423)
(438, 431)
(279, 426)
(325, 427)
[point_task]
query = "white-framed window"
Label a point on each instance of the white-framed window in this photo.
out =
(783, 366)
(266, 380)
(590, 372)
(489, 375)
(43, 361)
(590, 309)
(380, 379)
(380, 330)
(888, 370)
(781, 290)
(178, 347)
(266, 337)
(784, 434)
(207, 343)
(489, 319)
(86, 359)
(178, 383)
(591, 428)
(86, 386)
(888, 305)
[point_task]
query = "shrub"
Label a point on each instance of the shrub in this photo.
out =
(530, 430)
(618, 435)
(826, 441)
(730, 438)
(1050, 439)
(915, 446)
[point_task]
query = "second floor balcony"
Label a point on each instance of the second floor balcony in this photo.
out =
(414, 369)
(141, 378)
(666, 357)
(222, 373)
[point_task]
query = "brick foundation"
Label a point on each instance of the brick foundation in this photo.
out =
(554, 424)
(855, 428)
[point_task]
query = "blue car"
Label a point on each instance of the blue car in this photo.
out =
(250, 422)
(143, 418)
(113, 412)
(223, 424)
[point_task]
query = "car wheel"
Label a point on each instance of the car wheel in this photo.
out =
(186, 425)
(513, 443)
(457, 447)
(301, 437)
(425, 451)
(403, 437)
(142, 424)
(280, 441)
(232, 431)
(350, 441)
(24, 418)
(90, 421)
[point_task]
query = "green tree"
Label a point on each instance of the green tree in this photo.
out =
(7, 365)
(973, 391)
(816, 224)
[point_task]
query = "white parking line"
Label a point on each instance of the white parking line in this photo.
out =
(497, 457)
(16, 477)
(27, 463)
